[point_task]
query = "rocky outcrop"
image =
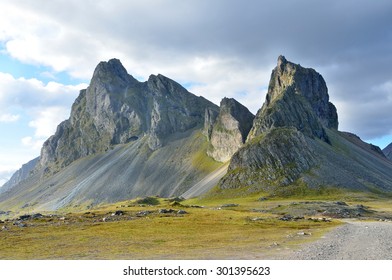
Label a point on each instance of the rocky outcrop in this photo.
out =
(230, 129)
(117, 109)
(277, 151)
(297, 97)
(209, 120)
(388, 151)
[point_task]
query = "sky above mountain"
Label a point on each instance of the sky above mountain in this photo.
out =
(49, 49)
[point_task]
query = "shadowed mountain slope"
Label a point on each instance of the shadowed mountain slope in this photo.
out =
(388, 151)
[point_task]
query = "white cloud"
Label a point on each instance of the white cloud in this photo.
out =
(46, 105)
(45, 123)
(7, 118)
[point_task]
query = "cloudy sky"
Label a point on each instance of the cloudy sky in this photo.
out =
(49, 49)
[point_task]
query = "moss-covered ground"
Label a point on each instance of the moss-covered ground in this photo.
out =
(142, 232)
(236, 225)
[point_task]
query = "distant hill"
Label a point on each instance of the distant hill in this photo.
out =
(388, 151)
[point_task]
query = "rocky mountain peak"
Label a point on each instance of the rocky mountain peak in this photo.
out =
(229, 130)
(296, 97)
(116, 109)
(112, 71)
(281, 60)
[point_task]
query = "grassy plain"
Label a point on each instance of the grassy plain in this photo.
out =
(141, 232)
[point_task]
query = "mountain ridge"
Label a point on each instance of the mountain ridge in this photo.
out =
(126, 138)
(388, 151)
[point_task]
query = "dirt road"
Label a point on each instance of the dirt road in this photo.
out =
(351, 241)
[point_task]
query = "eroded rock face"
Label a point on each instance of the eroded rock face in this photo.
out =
(297, 97)
(277, 150)
(230, 129)
(116, 109)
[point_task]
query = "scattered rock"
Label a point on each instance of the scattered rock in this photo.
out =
(143, 213)
(118, 213)
(257, 219)
(182, 212)
(24, 217)
(4, 228)
(341, 203)
(165, 211)
(304, 233)
(37, 216)
(230, 205)
(262, 198)
(286, 218)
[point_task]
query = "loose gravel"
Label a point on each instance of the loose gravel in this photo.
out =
(352, 241)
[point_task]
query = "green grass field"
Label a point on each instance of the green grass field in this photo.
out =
(211, 232)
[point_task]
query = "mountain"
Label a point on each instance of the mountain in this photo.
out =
(23, 173)
(294, 142)
(388, 151)
(127, 139)
(117, 109)
(124, 139)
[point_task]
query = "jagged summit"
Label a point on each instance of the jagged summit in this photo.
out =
(297, 97)
(117, 109)
(112, 71)
(284, 148)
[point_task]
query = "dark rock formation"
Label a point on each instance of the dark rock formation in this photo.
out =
(294, 142)
(230, 129)
(297, 97)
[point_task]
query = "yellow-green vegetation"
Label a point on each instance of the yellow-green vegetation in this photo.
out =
(142, 232)
(200, 160)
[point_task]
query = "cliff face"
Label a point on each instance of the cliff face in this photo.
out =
(229, 130)
(297, 97)
(117, 109)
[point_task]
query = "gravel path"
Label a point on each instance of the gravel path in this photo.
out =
(351, 241)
